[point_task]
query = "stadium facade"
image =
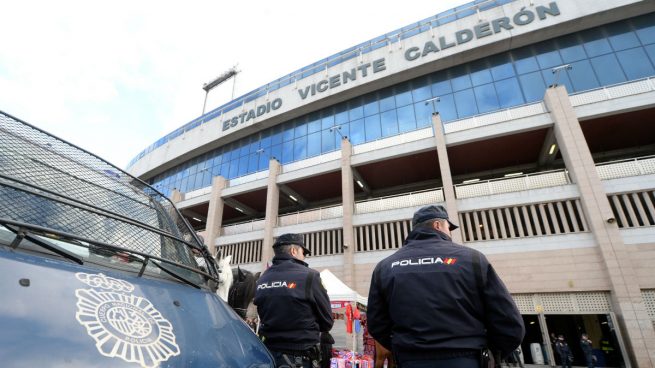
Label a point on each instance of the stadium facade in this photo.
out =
(531, 121)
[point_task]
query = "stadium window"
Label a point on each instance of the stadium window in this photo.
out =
(389, 122)
(486, 98)
(533, 86)
(480, 73)
(463, 103)
(357, 135)
(300, 148)
(524, 60)
(459, 78)
(314, 147)
(371, 105)
(595, 43)
(356, 111)
(406, 119)
(372, 127)
(570, 48)
(328, 141)
(421, 89)
(501, 67)
(621, 36)
(650, 49)
(446, 108)
(403, 94)
(607, 69)
(423, 114)
(387, 99)
(287, 152)
(645, 28)
(635, 63)
(509, 93)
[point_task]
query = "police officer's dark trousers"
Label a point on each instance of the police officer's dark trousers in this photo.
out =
(283, 360)
(459, 362)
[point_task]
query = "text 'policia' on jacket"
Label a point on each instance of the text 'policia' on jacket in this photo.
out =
(453, 313)
(293, 306)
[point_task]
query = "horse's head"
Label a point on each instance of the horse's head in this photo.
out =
(242, 291)
(225, 277)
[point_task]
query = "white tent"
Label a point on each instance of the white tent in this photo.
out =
(338, 291)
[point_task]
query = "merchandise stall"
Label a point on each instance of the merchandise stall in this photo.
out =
(352, 348)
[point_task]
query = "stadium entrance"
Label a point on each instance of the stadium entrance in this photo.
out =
(600, 329)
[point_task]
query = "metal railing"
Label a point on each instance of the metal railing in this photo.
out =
(518, 183)
(312, 161)
(318, 214)
(248, 178)
(243, 227)
(197, 192)
(387, 39)
(494, 117)
(613, 91)
(405, 200)
(625, 168)
(394, 140)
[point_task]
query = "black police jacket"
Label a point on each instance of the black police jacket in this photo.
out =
(427, 299)
(293, 306)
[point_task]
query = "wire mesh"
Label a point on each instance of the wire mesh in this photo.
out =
(47, 182)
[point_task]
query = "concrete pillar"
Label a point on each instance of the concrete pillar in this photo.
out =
(627, 300)
(348, 201)
(272, 210)
(215, 213)
(446, 176)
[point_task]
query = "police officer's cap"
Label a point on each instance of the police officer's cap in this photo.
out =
(295, 239)
(432, 212)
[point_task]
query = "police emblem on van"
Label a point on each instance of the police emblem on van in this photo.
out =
(123, 325)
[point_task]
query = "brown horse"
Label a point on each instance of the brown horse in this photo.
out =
(382, 354)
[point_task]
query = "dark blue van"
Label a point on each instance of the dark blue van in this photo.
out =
(98, 269)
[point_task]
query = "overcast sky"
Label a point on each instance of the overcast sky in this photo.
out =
(113, 77)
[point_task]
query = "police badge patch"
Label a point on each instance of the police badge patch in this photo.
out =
(123, 325)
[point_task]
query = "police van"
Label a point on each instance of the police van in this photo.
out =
(98, 269)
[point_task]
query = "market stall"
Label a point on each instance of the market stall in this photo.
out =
(353, 346)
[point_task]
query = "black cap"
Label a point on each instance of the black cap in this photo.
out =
(432, 212)
(295, 239)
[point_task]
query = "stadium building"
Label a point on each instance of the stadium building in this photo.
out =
(532, 121)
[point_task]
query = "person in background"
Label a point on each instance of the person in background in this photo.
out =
(588, 350)
(326, 349)
(435, 303)
(564, 352)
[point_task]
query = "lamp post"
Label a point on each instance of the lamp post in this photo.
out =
(232, 72)
(557, 70)
(434, 103)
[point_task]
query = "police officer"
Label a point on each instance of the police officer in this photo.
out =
(437, 304)
(293, 306)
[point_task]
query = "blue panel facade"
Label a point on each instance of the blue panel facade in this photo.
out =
(601, 56)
